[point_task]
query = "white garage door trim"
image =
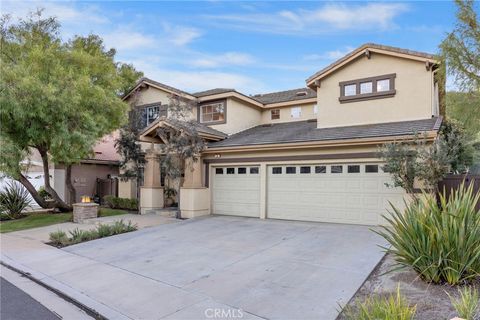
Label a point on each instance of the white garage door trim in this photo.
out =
(236, 190)
(342, 193)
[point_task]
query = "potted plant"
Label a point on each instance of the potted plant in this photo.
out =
(170, 195)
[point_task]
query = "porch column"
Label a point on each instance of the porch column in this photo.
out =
(151, 193)
(194, 197)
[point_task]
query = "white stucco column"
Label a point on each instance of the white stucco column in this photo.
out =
(151, 193)
(194, 197)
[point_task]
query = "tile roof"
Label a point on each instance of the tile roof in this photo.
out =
(212, 92)
(105, 149)
(304, 131)
(373, 46)
(288, 95)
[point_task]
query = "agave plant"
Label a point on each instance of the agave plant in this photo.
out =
(441, 241)
(14, 199)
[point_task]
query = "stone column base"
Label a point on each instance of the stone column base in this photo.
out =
(194, 202)
(151, 198)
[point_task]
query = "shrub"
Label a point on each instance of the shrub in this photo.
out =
(43, 193)
(121, 203)
(439, 241)
(77, 235)
(392, 307)
(59, 238)
(466, 304)
(14, 199)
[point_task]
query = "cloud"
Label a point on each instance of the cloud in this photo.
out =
(193, 81)
(181, 35)
(328, 18)
(67, 12)
(225, 59)
(329, 55)
(122, 39)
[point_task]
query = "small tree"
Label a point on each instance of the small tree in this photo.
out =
(182, 143)
(416, 160)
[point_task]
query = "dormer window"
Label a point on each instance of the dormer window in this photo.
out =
(367, 88)
(212, 112)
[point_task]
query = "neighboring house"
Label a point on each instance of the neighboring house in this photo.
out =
(304, 154)
(94, 177)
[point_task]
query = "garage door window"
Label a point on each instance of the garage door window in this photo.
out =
(371, 168)
(336, 169)
(254, 170)
(242, 170)
(291, 170)
(304, 169)
(219, 171)
(320, 169)
(230, 170)
(277, 170)
(354, 168)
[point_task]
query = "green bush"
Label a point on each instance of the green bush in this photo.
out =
(14, 199)
(59, 238)
(439, 241)
(467, 302)
(43, 193)
(121, 203)
(392, 307)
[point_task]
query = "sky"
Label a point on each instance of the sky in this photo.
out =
(253, 47)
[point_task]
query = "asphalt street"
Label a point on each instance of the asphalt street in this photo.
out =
(15, 304)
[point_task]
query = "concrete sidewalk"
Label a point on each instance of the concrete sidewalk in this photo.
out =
(142, 221)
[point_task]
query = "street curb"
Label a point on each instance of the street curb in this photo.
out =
(91, 307)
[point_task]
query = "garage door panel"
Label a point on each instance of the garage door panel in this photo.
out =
(236, 194)
(358, 198)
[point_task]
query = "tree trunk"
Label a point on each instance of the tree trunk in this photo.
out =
(72, 193)
(57, 201)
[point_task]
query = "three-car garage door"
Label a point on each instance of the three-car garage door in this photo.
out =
(236, 191)
(341, 193)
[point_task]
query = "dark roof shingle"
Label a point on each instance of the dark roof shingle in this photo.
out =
(288, 95)
(303, 131)
(212, 92)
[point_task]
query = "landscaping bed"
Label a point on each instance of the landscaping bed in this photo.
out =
(36, 220)
(432, 301)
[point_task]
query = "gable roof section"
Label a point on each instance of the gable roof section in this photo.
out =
(284, 96)
(305, 131)
(372, 47)
(158, 85)
(149, 133)
(212, 92)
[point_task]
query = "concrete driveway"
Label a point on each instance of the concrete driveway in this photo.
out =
(229, 267)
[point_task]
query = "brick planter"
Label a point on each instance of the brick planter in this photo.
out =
(83, 211)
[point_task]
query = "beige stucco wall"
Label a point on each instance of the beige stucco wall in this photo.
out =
(285, 114)
(413, 98)
(240, 116)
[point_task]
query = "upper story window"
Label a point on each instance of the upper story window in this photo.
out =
(367, 88)
(275, 114)
(296, 112)
(214, 112)
(152, 114)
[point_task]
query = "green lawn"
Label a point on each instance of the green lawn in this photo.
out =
(36, 220)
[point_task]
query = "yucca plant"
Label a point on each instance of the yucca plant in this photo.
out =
(441, 241)
(467, 303)
(391, 307)
(59, 238)
(14, 199)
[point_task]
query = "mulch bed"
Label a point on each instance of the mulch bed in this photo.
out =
(432, 300)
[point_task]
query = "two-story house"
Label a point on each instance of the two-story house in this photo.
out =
(305, 154)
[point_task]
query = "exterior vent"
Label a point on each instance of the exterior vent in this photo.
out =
(301, 93)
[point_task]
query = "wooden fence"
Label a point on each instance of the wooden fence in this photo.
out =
(453, 181)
